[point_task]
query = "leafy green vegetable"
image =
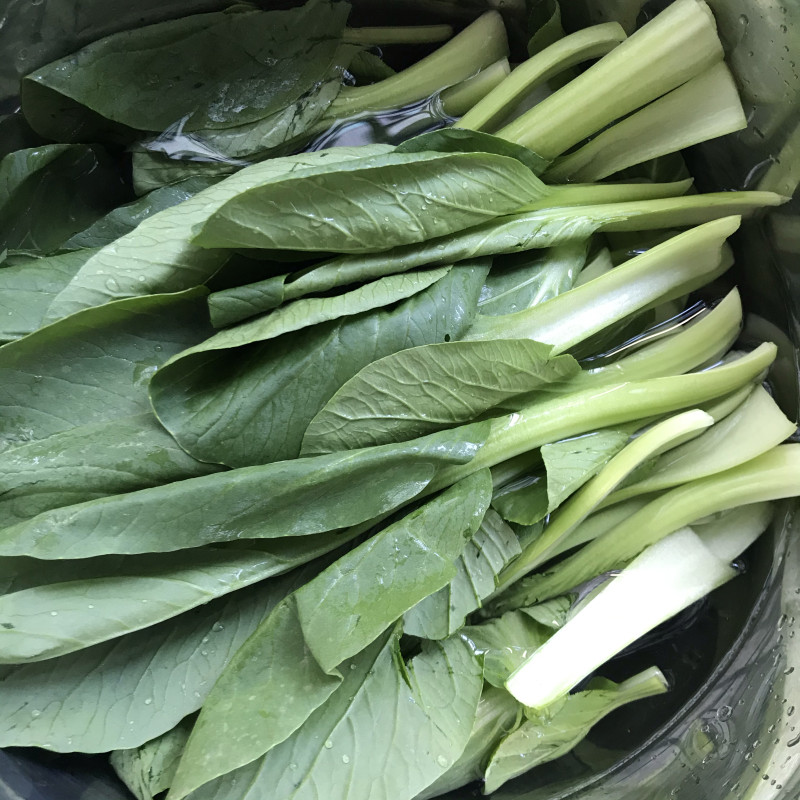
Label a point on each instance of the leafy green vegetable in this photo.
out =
(94, 366)
(28, 286)
(498, 713)
(373, 203)
(491, 548)
(550, 734)
(87, 700)
(187, 70)
(271, 501)
(124, 219)
(148, 770)
(48, 193)
(424, 389)
(158, 255)
(516, 283)
(382, 711)
(128, 453)
(253, 405)
(324, 623)
(50, 620)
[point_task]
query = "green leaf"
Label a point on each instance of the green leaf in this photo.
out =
(545, 23)
(288, 668)
(158, 255)
(253, 405)
(458, 140)
(426, 708)
(48, 193)
(424, 389)
(498, 713)
(572, 462)
(28, 287)
(374, 203)
(491, 548)
(126, 454)
(523, 501)
(96, 700)
(288, 498)
(87, 604)
(151, 171)
(505, 643)
(523, 281)
(94, 366)
(148, 770)
(124, 219)
(551, 734)
(236, 67)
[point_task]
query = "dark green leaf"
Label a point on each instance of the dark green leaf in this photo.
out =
(441, 614)
(48, 193)
(519, 282)
(28, 286)
(122, 693)
(94, 366)
(459, 140)
(253, 405)
(124, 219)
(152, 171)
(208, 71)
(424, 389)
(374, 203)
(288, 498)
(88, 604)
(544, 23)
(158, 255)
(367, 67)
(288, 668)
(148, 770)
(90, 461)
(389, 730)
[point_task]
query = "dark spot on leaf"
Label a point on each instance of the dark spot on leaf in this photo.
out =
(7, 625)
(447, 337)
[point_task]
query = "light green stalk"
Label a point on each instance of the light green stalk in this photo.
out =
(479, 45)
(457, 100)
(665, 126)
(678, 44)
(756, 426)
(571, 50)
(549, 420)
(585, 194)
(671, 269)
(565, 519)
(665, 579)
(771, 476)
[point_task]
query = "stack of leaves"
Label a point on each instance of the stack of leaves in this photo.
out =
(304, 469)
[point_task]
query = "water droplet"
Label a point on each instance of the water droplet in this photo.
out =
(345, 759)
(724, 712)
(328, 744)
(204, 652)
(112, 285)
(292, 765)
(149, 701)
(90, 606)
(743, 19)
(441, 761)
(36, 713)
(54, 613)
(352, 666)
(142, 279)
(217, 627)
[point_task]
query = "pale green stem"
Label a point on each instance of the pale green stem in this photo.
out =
(672, 48)
(667, 125)
(584, 194)
(458, 99)
(571, 50)
(478, 46)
